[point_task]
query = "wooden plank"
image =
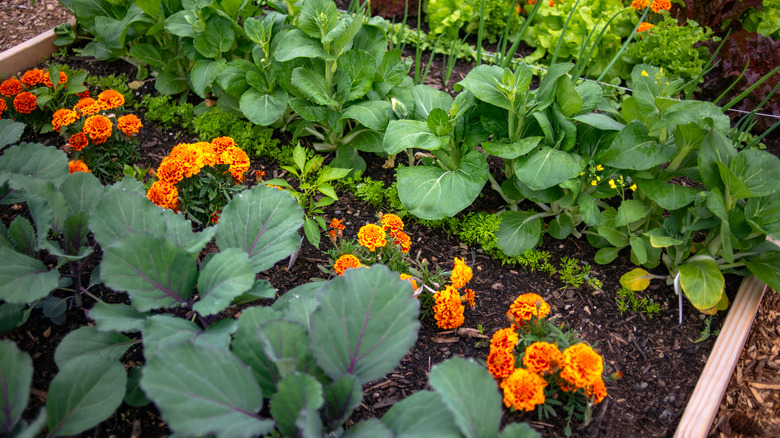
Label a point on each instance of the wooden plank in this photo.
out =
(28, 54)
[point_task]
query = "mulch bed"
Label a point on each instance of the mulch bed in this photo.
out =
(660, 360)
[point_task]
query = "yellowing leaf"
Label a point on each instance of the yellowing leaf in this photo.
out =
(636, 279)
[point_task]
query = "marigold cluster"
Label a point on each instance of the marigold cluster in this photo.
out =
(98, 128)
(78, 166)
(542, 358)
(129, 124)
(582, 367)
(347, 261)
(461, 274)
(523, 390)
(527, 306)
(110, 99)
(448, 310)
(372, 237)
(25, 102)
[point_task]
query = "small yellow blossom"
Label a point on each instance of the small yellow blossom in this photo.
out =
(644, 73)
(599, 167)
(633, 187)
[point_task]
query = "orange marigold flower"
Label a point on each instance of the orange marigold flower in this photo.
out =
(25, 102)
(10, 87)
(78, 141)
(47, 80)
(111, 99)
(276, 187)
(597, 391)
(129, 124)
(78, 166)
(523, 390)
(259, 174)
(215, 217)
(336, 224)
(3, 106)
(33, 77)
(403, 240)
(645, 26)
(238, 161)
(87, 106)
(63, 117)
(504, 339)
(347, 261)
(163, 194)
(448, 310)
(461, 274)
(171, 170)
(83, 94)
(640, 4)
(372, 237)
(221, 144)
(660, 5)
(411, 280)
(582, 366)
(542, 357)
(500, 363)
(192, 158)
(525, 306)
(392, 223)
(98, 128)
(470, 298)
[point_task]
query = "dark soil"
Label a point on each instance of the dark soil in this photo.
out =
(660, 359)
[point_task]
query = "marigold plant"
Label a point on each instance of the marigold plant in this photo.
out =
(523, 390)
(542, 357)
(10, 87)
(25, 102)
(372, 237)
(448, 310)
(461, 274)
(129, 124)
(582, 366)
(198, 179)
(527, 306)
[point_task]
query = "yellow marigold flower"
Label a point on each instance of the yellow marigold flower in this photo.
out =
(10, 87)
(523, 390)
(660, 5)
(392, 223)
(411, 280)
(525, 306)
(372, 237)
(111, 99)
(87, 106)
(505, 339)
(171, 170)
(403, 240)
(63, 117)
(470, 297)
(500, 363)
(542, 357)
(164, 194)
(221, 144)
(645, 26)
(582, 366)
(98, 128)
(33, 77)
(78, 141)
(461, 274)
(640, 4)
(25, 102)
(347, 261)
(448, 310)
(47, 80)
(129, 124)
(78, 166)
(597, 391)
